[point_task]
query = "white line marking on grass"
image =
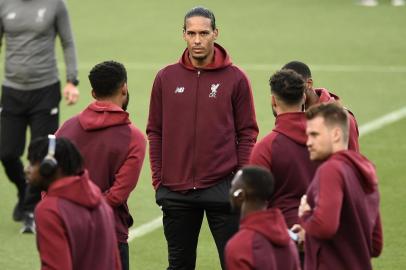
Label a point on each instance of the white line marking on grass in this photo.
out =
(266, 67)
(363, 130)
(382, 121)
(332, 68)
(145, 228)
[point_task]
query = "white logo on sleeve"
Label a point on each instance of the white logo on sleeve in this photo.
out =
(213, 89)
(40, 15)
(11, 16)
(179, 90)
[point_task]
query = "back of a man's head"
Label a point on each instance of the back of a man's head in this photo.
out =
(288, 86)
(259, 183)
(107, 77)
(200, 11)
(300, 67)
(66, 155)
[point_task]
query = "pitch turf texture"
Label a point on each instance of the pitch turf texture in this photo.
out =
(357, 52)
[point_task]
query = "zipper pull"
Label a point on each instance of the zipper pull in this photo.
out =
(198, 73)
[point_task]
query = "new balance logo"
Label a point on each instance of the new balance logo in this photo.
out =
(213, 89)
(179, 90)
(11, 16)
(40, 15)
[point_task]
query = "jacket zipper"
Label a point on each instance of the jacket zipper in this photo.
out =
(195, 132)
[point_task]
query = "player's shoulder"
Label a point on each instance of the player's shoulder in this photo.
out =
(242, 240)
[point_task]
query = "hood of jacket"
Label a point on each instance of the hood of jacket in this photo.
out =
(221, 59)
(326, 96)
(292, 125)
(102, 114)
(78, 189)
(366, 168)
(269, 223)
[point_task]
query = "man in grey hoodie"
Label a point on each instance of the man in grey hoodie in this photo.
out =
(31, 88)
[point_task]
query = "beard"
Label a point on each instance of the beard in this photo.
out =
(126, 101)
(274, 112)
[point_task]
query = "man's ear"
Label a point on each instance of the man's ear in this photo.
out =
(337, 134)
(273, 101)
(124, 89)
(94, 94)
(309, 83)
(216, 33)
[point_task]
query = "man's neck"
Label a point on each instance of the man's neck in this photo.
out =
(115, 100)
(251, 207)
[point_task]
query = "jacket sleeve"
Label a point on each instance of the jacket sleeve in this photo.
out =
(377, 238)
(127, 176)
(324, 219)
(154, 132)
(244, 121)
(63, 28)
(52, 240)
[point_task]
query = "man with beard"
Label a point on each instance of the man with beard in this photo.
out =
(201, 130)
(113, 149)
(321, 95)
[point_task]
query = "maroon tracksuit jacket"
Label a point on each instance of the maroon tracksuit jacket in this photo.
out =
(113, 150)
(262, 243)
(343, 229)
(284, 153)
(201, 124)
(75, 227)
(325, 96)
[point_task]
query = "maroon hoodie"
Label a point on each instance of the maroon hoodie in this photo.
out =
(284, 153)
(201, 124)
(75, 227)
(326, 96)
(343, 229)
(113, 150)
(262, 243)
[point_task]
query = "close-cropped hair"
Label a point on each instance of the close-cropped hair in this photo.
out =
(200, 11)
(259, 183)
(66, 154)
(333, 114)
(300, 68)
(107, 77)
(288, 86)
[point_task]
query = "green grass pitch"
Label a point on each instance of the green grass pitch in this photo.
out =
(357, 52)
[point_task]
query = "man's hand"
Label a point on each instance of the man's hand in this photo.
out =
(71, 93)
(301, 233)
(304, 206)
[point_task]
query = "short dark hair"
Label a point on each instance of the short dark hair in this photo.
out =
(259, 183)
(300, 68)
(200, 11)
(107, 77)
(66, 154)
(332, 113)
(288, 85)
